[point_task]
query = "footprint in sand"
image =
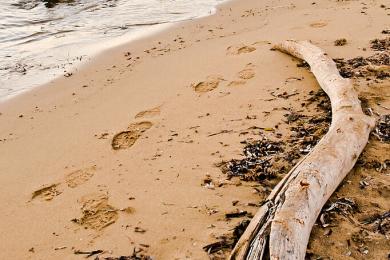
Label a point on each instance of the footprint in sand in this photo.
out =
(246, 73)
(236, 83)
(47, 192)
(126, 139)
(210, 84)
(239, 49)
(96, 212)
(149, 113)
(79, 177)
(318, 24)
(243, 76)
(72, 180)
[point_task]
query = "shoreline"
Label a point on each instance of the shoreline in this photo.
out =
(119, 44)
(122, 155)
(124, 40)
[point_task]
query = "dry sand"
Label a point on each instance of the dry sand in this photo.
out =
(115, 156)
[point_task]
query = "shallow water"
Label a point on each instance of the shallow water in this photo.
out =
(39, 40)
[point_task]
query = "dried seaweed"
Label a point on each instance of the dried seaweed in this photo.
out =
(136, 255)
(382, 129)
(88, 253)
(256, 165)
(237, 214)
(265, 160)
(342, 206)
(379, 223)
(340, 42)
(380, 44)
(373, 66)
(226, 242)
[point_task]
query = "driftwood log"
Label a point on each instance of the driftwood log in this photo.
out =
(281, 228)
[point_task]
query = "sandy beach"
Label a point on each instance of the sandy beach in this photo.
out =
(124, 153)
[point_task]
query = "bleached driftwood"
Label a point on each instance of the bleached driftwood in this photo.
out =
(281, 228)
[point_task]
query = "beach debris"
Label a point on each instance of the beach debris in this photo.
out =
(382, 129)
(379, 223)
(303, 64)
(60, 248)
(139, 230)
(340, 42)
(377, 65)
(284, 94)
(256, 165)
(96, 212)
(318, 24)
(47, 192)
(374, 164)
(236, 214)
(220, 132)
(227, 242)
(265, 160)
(223, 244)
(380, 44)
(292, 117)
(386, 31)
(136, 255)
(102, 135)
(210, 210)
(282, 221)
(342, 206)
(88, 253)
(126, 139)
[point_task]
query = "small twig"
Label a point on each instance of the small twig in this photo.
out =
(221, 132)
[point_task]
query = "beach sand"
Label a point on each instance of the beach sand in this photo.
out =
(120, 154)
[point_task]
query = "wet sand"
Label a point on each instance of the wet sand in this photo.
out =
(115, 156)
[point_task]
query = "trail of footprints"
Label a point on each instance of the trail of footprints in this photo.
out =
(72, 180)
(96, 212)
(212, 82)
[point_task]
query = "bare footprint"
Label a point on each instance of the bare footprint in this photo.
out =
(96, 212)
(318, 24)
(126, 139)
(149, 113)
(240, 49)
(210, 84)
(79, 177)
(47, 192)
